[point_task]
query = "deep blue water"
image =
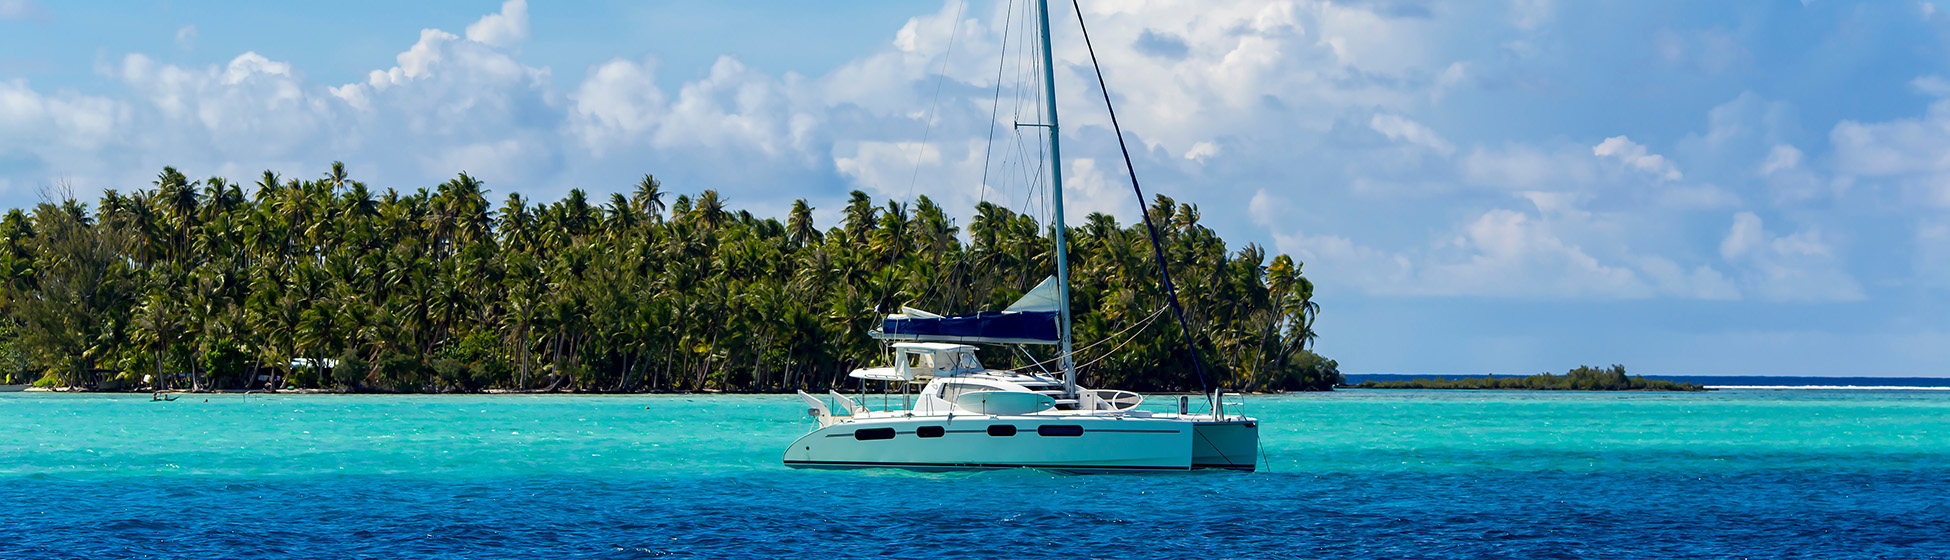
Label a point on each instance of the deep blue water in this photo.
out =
(1709, 380)
(1355, 474)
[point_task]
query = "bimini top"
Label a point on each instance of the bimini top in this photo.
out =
(1007, 327)
(1030, 320)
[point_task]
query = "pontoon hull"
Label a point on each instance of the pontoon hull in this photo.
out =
(1230, 445)
(1062, 443)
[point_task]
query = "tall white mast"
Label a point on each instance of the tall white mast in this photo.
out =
(1064, 360)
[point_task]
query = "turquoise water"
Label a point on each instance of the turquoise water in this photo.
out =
(1363, 474)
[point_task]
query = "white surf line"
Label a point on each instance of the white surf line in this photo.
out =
(1828, 387)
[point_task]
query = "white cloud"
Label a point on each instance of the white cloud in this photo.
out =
(1791, 181)
(1632, 154)
(1501, 253)
(63, 126)
(1931, 259)
(1895, 148)
(1201, 151)
(735, 106)
(1524, 167)
(1264, 100)
(619, 101)
(889, 168)
(1531, 14)
(20, 10)
(1781, 159)
(1802, 266)
(504, 29)
(1510, 254)
(186, 37)
(465, 99)
(1934, 86)
(1701, 282)
(1396, 127)
(449, 103)
(1913, 153)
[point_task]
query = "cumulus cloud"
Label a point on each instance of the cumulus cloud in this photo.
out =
(450, 104)
(1632, 154)
(1502, 253)
(1802, 266)
(1324, 114)
(504, 29)
(618, 101)
(1912, 153)
(1396, 127)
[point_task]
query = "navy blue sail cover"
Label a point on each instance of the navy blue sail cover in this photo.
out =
(1007, 327)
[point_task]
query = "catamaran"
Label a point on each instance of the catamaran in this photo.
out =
(968, 416)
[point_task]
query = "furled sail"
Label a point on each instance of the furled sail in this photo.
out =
(1030, 320)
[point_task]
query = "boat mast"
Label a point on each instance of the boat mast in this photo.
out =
(1064, 360)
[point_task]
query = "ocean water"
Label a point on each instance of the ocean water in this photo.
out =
(1725, 381)
(1351, 474)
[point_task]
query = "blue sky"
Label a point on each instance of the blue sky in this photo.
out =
(1477, 186)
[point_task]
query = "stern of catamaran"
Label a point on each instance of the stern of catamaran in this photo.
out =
(1228, 444)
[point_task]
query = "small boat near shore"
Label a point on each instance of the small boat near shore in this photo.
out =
(14, 388)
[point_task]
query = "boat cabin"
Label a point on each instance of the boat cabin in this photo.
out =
(919, 362)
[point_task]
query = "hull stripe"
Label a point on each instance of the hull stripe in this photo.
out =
(984, 466)
(1224, 466)
(1085, 431)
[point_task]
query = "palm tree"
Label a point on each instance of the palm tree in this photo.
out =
(799, 225)
(710, 210)
(603, 297)
(649, 197)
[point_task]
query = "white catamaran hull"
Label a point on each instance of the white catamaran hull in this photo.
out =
(1226, 445)
(1054, 442)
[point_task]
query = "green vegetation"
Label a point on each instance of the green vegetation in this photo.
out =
(327, 284)
(1584, 378)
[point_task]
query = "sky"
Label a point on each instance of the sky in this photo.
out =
(1480, 186)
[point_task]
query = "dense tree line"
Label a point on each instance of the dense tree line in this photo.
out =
(325, 283)
(1582, 378)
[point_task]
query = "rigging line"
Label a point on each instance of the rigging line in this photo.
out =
(940, 78)
(1262, 455)
(1157, 249)
(1113, 336)
(1120, 345)
(1032, 359)
(995, 105)
(1022, 70)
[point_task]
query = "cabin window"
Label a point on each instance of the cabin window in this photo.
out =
(1059, 431)
(968, 361)
(1002, 430)
(873, 433)
(929, 431)
(920, 361)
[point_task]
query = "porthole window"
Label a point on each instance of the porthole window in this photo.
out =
(1059, 431)
(929, 431)
(873, 433)
(1002, 430)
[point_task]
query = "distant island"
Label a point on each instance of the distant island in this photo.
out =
(1583, 378)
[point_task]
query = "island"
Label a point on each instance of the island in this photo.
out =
(324, 283)
(1582, 378)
